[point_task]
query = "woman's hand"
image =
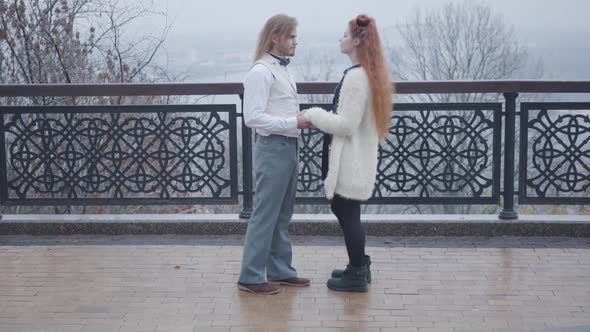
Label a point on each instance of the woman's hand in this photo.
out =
(303, 123)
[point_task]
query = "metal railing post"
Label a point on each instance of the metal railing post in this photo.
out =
(247, 178)
(508, 211)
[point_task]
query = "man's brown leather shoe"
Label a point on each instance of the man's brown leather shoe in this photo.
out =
(295, 282)
(262, 289)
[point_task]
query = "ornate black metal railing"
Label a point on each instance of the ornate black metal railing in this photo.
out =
(174, 154)
(555, 153)
(450, 153)
(433, 150)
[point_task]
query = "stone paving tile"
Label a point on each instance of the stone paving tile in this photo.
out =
(130, 284)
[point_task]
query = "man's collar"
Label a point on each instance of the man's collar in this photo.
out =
(283, 61)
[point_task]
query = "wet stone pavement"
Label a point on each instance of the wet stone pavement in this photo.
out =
(188, 283)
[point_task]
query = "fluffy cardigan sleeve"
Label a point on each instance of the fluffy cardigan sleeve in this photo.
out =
(352, 105)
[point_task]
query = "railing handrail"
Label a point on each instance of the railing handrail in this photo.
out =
(177, 89)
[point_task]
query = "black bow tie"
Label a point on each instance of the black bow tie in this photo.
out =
(282, 61)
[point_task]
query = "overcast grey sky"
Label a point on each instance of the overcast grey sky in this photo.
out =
(556, 30)
(244, 18)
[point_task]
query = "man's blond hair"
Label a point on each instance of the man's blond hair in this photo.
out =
(280, 25)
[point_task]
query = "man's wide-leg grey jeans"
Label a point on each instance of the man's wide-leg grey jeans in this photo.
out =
(267, 248)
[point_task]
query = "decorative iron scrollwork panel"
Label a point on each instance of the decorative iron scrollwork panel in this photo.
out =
(310, 162)
(556, 151)
(170, 153)
(433, 150)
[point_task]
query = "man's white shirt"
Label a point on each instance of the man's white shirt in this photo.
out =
(257, 85)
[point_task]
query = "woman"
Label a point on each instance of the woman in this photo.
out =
(360, 118)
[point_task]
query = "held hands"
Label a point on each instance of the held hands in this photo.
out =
(302, 123)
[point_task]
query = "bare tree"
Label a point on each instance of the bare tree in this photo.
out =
(77, 41)
(459, 41)
(127, 57)
(39, 44)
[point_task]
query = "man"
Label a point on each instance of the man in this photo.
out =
(272, 109)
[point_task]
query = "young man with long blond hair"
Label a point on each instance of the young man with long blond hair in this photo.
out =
(360, 118)
(272, 109)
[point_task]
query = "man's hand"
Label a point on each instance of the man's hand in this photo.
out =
(302, 123)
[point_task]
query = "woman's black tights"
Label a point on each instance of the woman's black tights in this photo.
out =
(348, 213)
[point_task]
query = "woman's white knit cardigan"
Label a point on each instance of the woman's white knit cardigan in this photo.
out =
(355, 142)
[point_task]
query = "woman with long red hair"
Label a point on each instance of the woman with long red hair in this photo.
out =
(358, 121)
